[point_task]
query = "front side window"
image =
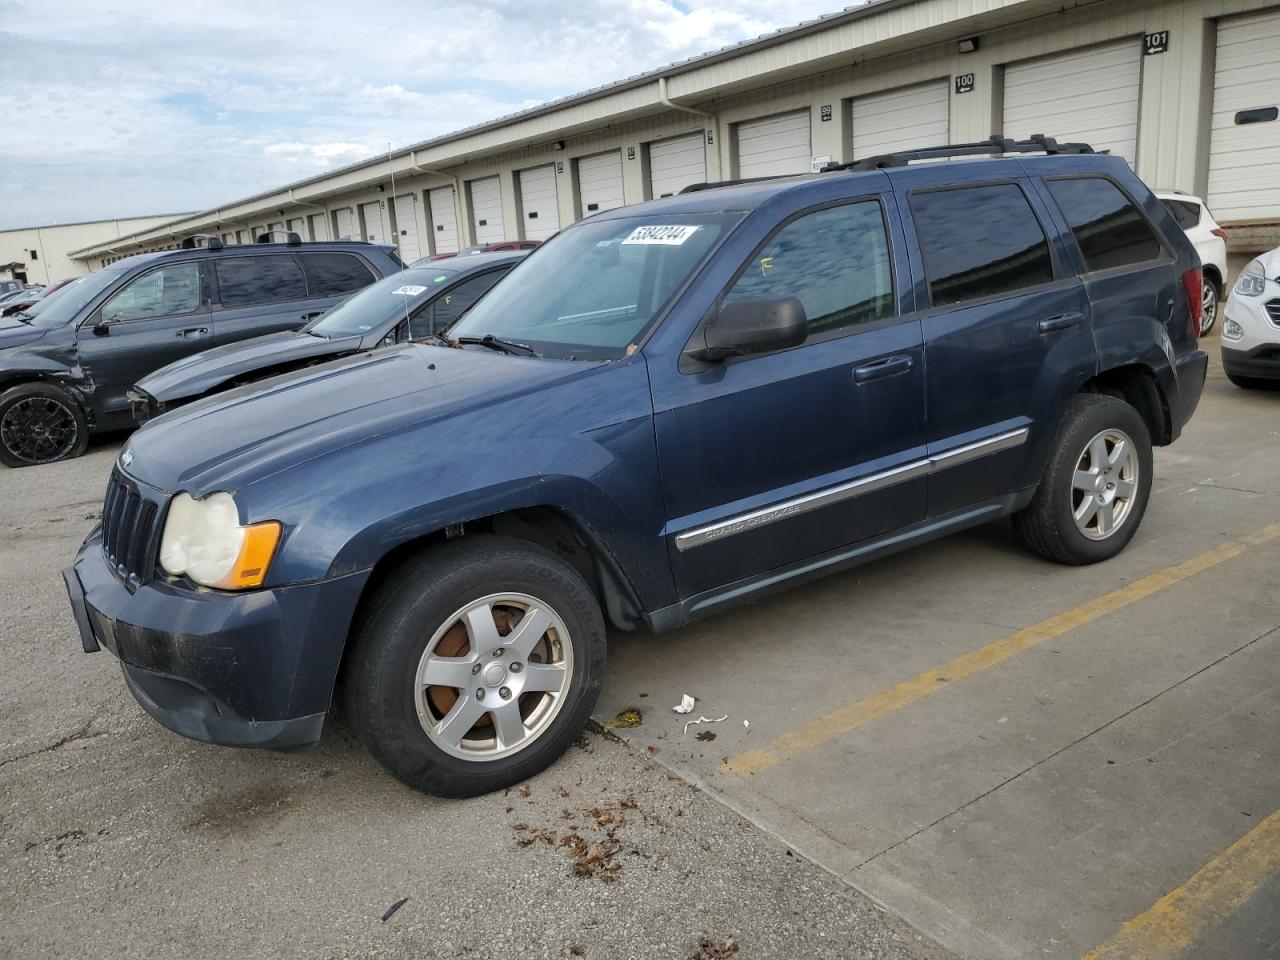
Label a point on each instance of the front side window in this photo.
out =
(249, 281)
(979, 242)
(1107, 226)
(590, 292)
(335, 274)
(168, 291)
(834, 261)
(448, 307)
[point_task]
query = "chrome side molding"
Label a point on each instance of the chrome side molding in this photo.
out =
(850, 489)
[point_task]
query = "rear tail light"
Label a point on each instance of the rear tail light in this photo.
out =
(1193, 280)
(1220, 233)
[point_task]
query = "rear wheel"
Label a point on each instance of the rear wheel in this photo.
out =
(1095, 487)
(1208, 306)
(476, 665)
(40, 423)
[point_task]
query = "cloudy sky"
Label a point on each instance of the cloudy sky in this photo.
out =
(132, 107)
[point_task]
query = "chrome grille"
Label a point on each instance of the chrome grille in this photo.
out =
(130, 529)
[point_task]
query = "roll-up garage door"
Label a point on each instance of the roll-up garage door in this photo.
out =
(1244, 158)
(276, 229)
(443, 219)
(486, 210)
(539, 203)
(407, 228)
(296, 226)
(1088, 94)
(319, 226)
(345, 224)
(917, 116)
(775, 146)
(371, 216)
(600, 182)
(676, 163)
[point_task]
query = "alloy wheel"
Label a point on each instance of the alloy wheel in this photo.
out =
(39, 429)
(1104, 486)
(494, 676)
(1209, 308)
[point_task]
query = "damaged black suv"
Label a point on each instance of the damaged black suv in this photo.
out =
(66, 367)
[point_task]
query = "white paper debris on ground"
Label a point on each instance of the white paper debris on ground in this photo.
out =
(705, 720)
(685, 705)
(747, 724)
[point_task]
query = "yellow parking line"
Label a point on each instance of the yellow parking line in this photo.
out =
(1181, 918)
(854, 715)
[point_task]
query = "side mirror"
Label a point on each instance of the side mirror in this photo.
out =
(758, 325)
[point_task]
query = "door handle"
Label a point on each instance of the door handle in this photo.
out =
(192, 333)
(1062, 321)
(879, 369)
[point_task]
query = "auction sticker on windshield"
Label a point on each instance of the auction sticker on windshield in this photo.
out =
(667, 236)
(408, 290)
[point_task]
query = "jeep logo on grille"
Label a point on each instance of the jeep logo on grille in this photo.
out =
(126, 458)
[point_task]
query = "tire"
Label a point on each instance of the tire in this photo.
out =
(414, 619)
(1209, 310)
(40, 423)
(1048, 526)
(1253, 383)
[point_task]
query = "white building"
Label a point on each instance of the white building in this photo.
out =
(42, 254)
(1187, 91)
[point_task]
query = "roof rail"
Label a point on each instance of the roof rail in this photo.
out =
(210, 240)
(291, 238)
(714, 184)
(997, 144)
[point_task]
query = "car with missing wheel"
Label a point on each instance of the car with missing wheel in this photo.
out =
(416, 304)
(67, 364)
(666, 410)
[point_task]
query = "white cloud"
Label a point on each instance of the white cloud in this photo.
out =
(136, 106)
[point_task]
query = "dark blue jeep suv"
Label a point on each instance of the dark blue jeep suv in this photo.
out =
(666, 409)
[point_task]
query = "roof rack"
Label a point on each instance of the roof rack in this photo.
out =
(713, 184)
(195, 240)
(291, 238)
(1036, 143)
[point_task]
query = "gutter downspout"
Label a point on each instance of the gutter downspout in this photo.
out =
(464, 225)
(715, 174)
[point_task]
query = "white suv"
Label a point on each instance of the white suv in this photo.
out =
(1251, 325)
(1211, 243)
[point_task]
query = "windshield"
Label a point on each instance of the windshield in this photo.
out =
(59, 310)
(393, 296)
(591, 292)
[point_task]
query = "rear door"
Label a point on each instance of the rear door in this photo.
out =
(770, 459)
(158, 317)
(1007, 338)
(261, 293)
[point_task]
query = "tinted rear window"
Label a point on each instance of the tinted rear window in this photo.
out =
(1109, 228)
(335, 274)
(979, 242)
(248, 281)
(1186, 213)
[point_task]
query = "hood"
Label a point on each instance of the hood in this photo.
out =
(231, 439)
(201, 372)
(15, 333)
(1270, 263)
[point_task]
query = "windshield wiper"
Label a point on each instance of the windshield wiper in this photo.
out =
(22, 317)
(506, 346)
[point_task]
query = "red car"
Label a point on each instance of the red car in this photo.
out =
(482, 248)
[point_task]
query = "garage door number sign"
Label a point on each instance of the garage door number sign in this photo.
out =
(1153, 43)
(964, 83)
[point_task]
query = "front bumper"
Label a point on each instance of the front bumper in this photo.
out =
(251, 669)
(1262, 362)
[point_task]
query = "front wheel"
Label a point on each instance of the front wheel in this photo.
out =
(1095, 486)
(40, 423)
(476, 665)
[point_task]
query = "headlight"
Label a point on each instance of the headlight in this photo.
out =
(1231, 330)
(204, 540)
(1253, 280)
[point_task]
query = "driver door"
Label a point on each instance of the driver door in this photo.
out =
(158, 317)
(770, 459)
